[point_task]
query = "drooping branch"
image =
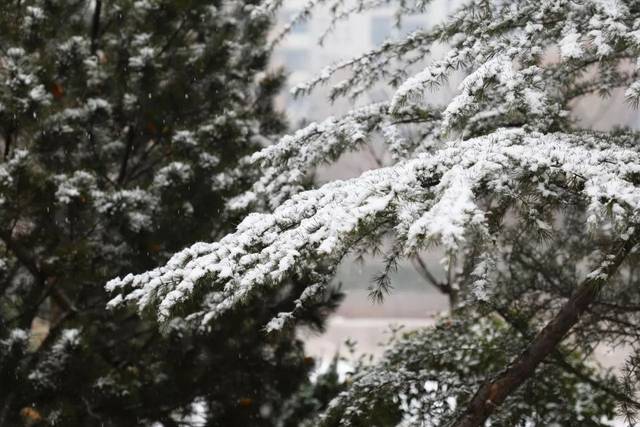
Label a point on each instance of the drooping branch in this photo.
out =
(266, 247)
(494, 391)
(444, 287)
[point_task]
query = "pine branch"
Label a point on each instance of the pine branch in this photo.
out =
(559, 359)
(125, 159)
(494, 392)
(422, 269)
(95, 26)
(37, 272)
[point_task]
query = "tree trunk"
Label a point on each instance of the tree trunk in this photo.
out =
(493, 392)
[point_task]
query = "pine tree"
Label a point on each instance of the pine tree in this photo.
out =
(123, 123)
(537, 215)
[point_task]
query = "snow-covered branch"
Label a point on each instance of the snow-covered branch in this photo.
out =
(433, 198)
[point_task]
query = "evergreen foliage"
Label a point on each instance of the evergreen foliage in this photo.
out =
(538, 216)
(122, 123)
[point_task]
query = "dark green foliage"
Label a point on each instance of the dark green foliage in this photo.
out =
(122, 123)
(305, 407)
(428, 374)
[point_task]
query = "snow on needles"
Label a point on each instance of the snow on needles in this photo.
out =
(516, 139)
(443, 189)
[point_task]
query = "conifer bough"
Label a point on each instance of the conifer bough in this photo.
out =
(505, 154)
